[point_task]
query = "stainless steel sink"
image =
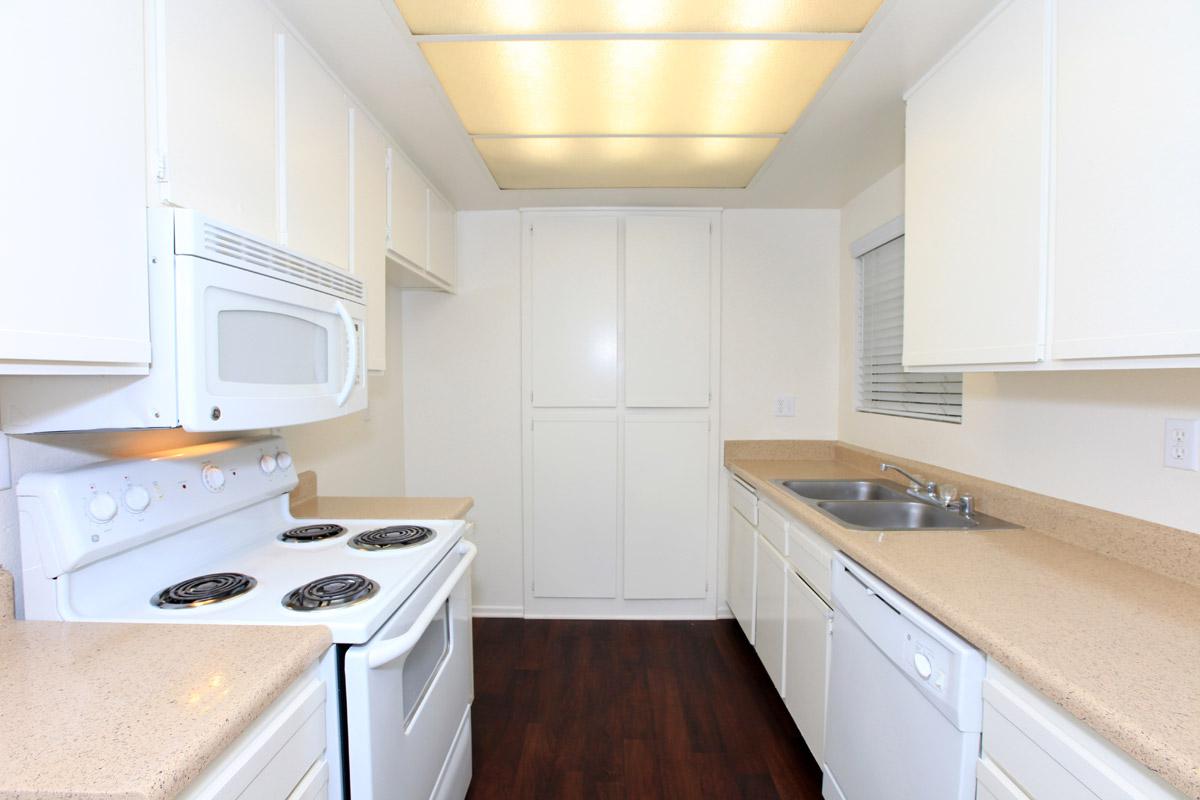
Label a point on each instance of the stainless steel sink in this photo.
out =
(879, 505)
(845, 490)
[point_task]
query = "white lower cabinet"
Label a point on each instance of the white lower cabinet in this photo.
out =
(281, 754)
(770, 605)
(1034, 750)
(808, 628)
(741, 572)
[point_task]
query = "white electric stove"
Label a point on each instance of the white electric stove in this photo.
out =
(204, 535)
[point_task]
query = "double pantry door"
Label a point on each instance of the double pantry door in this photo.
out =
(620, 313)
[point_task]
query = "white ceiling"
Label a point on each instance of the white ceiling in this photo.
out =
(850, 136)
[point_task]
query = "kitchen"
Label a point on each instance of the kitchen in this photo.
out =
(509, 398)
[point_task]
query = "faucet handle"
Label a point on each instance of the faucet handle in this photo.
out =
(946, 493)
(966, 504)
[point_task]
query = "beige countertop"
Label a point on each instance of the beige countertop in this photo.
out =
(307, 504)
(1115, 644)
(107, 710)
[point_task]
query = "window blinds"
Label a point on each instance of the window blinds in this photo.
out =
(883, 385)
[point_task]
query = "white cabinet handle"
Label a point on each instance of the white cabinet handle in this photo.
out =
(351, 354)
(391, 649)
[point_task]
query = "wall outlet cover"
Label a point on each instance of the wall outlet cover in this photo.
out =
(1181, 444)
(785, 405)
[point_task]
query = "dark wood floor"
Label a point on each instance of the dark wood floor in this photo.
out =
(590, 709)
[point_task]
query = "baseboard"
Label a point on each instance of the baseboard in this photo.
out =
(498, 611)
(724, 612)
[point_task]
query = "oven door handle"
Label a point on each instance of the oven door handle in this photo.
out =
(351, 353)
(391, 649)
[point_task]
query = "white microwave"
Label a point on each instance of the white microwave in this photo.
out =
(243, 333)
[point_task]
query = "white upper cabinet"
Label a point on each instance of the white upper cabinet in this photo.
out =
(215, 110)
(667, 310)
(370, 179)
(409, 212)
(73, 203)
(1127, 172)
(573, 310)
(441, 239)
(975, 197)
(316, 157)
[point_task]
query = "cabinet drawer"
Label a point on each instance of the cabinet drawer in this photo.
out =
(314, 785)
(773, 527)
(1051, 755)
(743, 500)
(811, 556)
(992, 784)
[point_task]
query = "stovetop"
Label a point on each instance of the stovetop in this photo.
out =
(126, 588)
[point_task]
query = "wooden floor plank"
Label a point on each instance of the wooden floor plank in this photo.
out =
(616, 710)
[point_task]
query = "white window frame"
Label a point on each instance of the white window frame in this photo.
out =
(949, 384)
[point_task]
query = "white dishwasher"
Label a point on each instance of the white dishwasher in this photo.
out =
(905, 698)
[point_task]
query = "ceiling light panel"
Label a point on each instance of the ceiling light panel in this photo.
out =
(624, 162)
(632, 87)
(635, 16)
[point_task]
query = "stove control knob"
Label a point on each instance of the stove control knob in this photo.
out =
(214, 477)
(137, 499)
(267, 464)
(284, 459)
(102, 507)
(923, 666)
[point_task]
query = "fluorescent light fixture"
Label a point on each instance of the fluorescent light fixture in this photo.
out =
(625, 161)
(635, 16)
(600, 87)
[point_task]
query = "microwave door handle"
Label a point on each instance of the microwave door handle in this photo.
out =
(351, 354)
(389, 650)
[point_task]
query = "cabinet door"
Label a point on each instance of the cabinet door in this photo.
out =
(770, 606)
(742, 558)
(216, 110)
(667, 293)
(370, 231)
(975, 198)
(666, 508)
(410, 211)
(573, 314)
(1127, 168)
(807, 662)
(316, 174)
(574, 508)
(441, 238)
(75, 284)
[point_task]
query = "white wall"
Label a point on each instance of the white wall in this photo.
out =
(362, 454)
(1090, 437)
(779, 323)
(462, 384)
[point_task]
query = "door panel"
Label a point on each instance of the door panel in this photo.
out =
(742, 558)
(410, 212)
(217, 111)
(807, 663)
(441, 238)
(573, 318)
(667, 297)
(370, 231)
(666, 508)
(317, 169)
(770, 605)
(575, 508)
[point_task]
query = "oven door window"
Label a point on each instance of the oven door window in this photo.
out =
(268, 347)
(424, 662)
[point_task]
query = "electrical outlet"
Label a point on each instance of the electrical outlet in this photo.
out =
(785, 405)
(1181, 444)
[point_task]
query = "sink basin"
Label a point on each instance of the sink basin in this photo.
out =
(898, 515)
(845, 490)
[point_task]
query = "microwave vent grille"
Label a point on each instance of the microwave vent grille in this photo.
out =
(276, 262)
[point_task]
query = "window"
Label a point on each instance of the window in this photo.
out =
(884, 387)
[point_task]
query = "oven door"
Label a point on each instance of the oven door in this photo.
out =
(259, 352)
(408, 693)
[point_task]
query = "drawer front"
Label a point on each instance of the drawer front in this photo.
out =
(744, 500)
(992, 784)
(811, 556)
(291, 765)
(314, 785)
(1030, 766)
(773, 527)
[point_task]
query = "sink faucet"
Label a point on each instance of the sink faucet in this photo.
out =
(931, 493)
(918, 484)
